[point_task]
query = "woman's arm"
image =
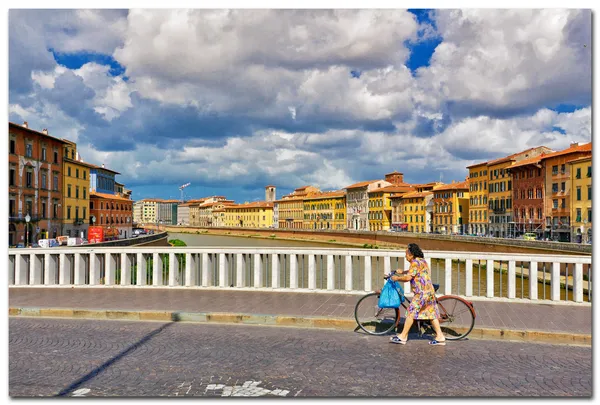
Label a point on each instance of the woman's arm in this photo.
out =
(401, 275)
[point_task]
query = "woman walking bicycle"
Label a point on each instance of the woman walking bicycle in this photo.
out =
(424, 303)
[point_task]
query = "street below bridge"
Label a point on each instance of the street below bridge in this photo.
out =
(101, 358)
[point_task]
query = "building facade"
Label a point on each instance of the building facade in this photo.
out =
(528, 196)
(112, 211)
(380, 205)
(325, 210)
(581, 200)
(415, 215)
(291, 207)
(76, 186)
(451, 208)
(257, 214)
(357, 203)
(558, 189)
(478, 200)
(35, 188)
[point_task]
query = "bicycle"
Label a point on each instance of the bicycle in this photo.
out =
(457, 315)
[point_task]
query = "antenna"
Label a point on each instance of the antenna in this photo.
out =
(181, 189)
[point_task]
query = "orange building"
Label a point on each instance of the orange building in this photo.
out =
(451, 208)
(35, 162)
(112, 211)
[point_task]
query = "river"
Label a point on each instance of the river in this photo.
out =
(437, 268)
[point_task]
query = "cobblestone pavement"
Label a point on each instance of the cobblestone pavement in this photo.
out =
(49, 357)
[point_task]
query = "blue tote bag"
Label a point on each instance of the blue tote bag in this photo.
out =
(389, 297)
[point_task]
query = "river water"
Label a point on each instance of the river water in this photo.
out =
(377, 266)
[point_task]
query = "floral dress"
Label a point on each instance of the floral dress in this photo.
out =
(423, 305)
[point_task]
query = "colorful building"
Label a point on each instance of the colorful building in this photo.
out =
(326, 210)
(581, 199)
(501, 223)
(357, 203)
(257, 214)
(478, 200)
(451, 208)
(76, 186)
(380, 205)
(558, 189)
(529, 193)
(290, 208)
(112, 211)
(35, 162)
(415, 215)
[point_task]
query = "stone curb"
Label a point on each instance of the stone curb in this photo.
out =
(281, 320)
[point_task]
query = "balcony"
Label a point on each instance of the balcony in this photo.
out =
(78, 221)
(499, 210)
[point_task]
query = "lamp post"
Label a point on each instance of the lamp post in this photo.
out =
(27, 219)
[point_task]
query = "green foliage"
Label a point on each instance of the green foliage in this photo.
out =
(177, 242)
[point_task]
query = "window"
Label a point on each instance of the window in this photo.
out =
(562, 169)
(69, 190)
(555, 203)
(91, 203)
(55, 156)
(55, 182)
(562, 187)
(589, 171)
(589, 192)
(84, 175)
(76, 191)
(578, 218)
(84, 193)
(44, 154)
(578, 174)
(69, 171)
(12, 146)
(54, 210)
(589, 216)
(69, 212)
(555, 187)
(563, 203)
(554, 170)
(73, 154)
(578, 193)
(76, 212)
(77, 173)
(44, 180)
(43, 213)
(509, 185)
(28, 150)
(11, 177)
(29, 178)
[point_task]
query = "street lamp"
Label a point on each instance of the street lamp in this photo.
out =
(27, 219)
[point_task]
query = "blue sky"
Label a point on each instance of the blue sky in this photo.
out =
(232, 101)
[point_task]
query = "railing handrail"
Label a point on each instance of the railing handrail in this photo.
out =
(309, 250)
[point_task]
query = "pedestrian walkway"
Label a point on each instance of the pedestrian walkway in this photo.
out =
(498, 318)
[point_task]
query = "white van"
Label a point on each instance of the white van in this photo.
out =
(48, 243)
(74, 241)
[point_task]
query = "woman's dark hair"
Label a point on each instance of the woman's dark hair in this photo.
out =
(415, 250)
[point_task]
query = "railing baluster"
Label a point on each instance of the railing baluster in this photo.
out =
(312, 270)
(533, 280)
(479, 278)
(293, 271)
(448, 276)
(368, 286)
(469, 277)
(555, 282)
(500, 279)
(274, 270)
(544, 280)
(578, 283)
(567, 282)
(490, 278)
(330, 273)
(349, 275)
(511, 281)
(522, 285)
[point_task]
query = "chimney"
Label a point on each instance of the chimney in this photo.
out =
(574, 144)
(25, 124)
(103, 165)
(45, 130)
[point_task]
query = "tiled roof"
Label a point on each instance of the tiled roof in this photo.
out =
(109, 196)
(581, 159)
(38, 133)
(478, 164)
(255, 204)
(587, 147)
(395, 188)
(327, 194)
(455, 186)
(362, 184)
(103, 168)
(414, 194)
(525, 162)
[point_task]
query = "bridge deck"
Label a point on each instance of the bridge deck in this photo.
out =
(540, 316)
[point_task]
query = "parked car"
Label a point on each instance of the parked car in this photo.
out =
(48, 243)
(530, 236)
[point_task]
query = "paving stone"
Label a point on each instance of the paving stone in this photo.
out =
(107, 358)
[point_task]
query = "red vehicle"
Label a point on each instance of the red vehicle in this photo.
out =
(99, 234)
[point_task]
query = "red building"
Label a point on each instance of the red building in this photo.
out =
(112, 211)
(35, 161)
(528, 183)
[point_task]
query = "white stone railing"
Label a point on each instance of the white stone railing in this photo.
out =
(486, 275)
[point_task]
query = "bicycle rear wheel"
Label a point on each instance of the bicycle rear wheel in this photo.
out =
(371, 318)
(456, 317)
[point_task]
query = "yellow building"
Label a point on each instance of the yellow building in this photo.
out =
(149, 211)
(76, 186)
(451, 208)
(414, 207)
(581, 200)
(291, 207)
(257, 214)
(325, 210)
(478, 200)
(380, 205)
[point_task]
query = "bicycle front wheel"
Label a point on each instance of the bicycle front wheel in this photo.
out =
(456, 317)
(371, 318)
